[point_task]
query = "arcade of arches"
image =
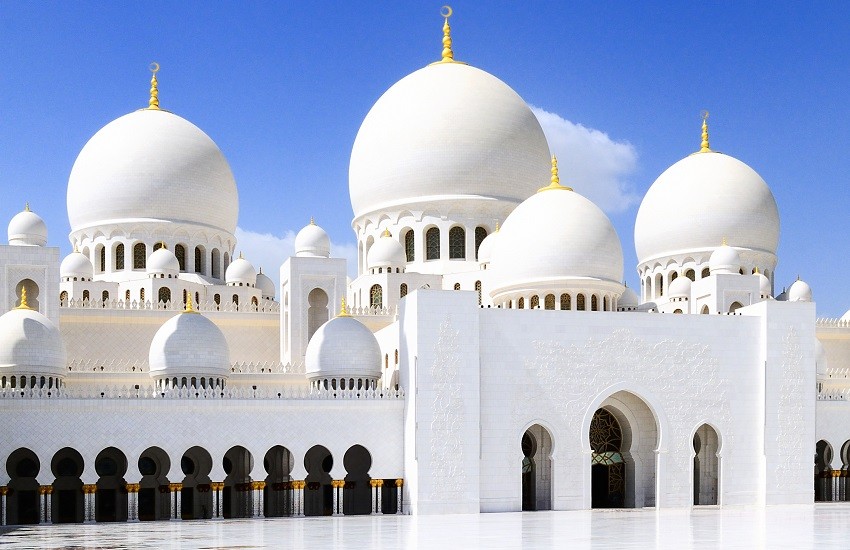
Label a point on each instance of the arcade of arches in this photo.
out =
(185, 491)
(832, 484)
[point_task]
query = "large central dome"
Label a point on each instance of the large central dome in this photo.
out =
(152, 165)
(446, 132)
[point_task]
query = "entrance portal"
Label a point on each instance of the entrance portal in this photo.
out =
(608, 472)
(536, 447)
(706, 445)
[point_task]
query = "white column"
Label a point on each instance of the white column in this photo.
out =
(133, 502)
(3, 491)
(337, 509)
(299, 498)
(89, 491)
(48, 504)
(42, 501)
(399, 483)
(261, 485)
(380, 485)
(217, 487)
(178, 500)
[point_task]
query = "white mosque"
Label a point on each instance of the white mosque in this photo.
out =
(151, 375)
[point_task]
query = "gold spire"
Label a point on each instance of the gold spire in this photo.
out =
(343, 310)
(497, 227)
(555, 181)
(24, 304)
(189, 308)
(240, 255)
(153, 103)
(27, 207)
(723, 242)
(386, 233)
(163, 245)
(448, 54)
(312, 221)
(756, 270)
(703, 147)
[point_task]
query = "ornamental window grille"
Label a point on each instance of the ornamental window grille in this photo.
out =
(402, 290)
(127, 295)
(566, 302)
(216, 264)
(63, 296)
(85, 295)
(457, 243)
(457, 286)
(199, 260)
(705, 272)
(376, 296)
(119, 257)
(520, 304)
(690, 274)
(104, 296)
(432, 244)
(157, 246)
(139, 255)
(580, 302)
(535, 302)
(480, 235)
(164, 295)
(235, 299)
(409, 248)
(606, 439)
(594, 303)
(185, 295)
(478, 290)
(101, 260)
(549, 301)
(180, 252)
(142, 295)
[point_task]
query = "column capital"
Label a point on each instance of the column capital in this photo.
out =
(89, 488)
(133, 487)
(217, 485)
(258, 485)
(379, 482)
(4, 490)
(399, 482)
(174, 487)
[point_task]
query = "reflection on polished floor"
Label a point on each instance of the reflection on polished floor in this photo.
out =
(821, 526)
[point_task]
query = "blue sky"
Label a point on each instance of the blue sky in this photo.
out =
(283, 88)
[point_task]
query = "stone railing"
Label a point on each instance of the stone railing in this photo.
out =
(119, 366)
(837, 372)
(832, 394)
(832, 323)
(372, 311)
(264, 306)
(152, 392)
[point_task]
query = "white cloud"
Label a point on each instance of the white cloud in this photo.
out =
(591, 162)
(270, 251)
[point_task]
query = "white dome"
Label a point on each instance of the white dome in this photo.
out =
(800, 291)
(240, 270)
(312, 241)
(764, 284)
(77, 265)
(386, 252)
(701, 200)
(152, 165)
(343, 348)
(163, 261)
(485, 251)
(680, 288)
(28, 229)
(554, 239)
(628, 299)
(846, 316)
(189, 344)
(724, 259)
(446, 132)
(30, 344)
(266, 285)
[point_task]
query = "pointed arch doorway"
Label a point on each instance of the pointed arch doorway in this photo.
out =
(536, 447)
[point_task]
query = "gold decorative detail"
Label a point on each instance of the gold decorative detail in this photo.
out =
(343, 310)
(27, 207)
(4, 490)
(723, 242)
(703, 147)
(174, 487)
(217, 485)
(24, 304)
(153, 103)
(555, 180)
(386, 233)
(258, 485)
(189, 308)
(163, 245)
(312, 221)
(89, 489)
(448, 55)
(133, 487)
(399, 482)
(756, 271)
(373, 483)
(497, 227)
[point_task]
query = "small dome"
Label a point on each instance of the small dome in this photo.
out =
(266, 285)
(680, 288)
(240, 270)
(702, 199)
(386, 252)
(189, 344)
(30, 344)
(724, 259)
(628, 299)
(846, 316)
(800, 291)
(312, 241)
(343, 348)
(163, 262)
(485, 251)
(556, 239)
(782, 296)
(76, 265)
(764, 284)
(27, 229)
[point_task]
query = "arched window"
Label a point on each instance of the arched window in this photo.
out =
(735, 307)
(535, 302)
(127, 295)
(480, 235)
(217, 300)
(180, 252)
(647, 289)
(659, 285)
(580, 302)
(164, 295)
(235, 299)
(396, 357)
(157, 245)
(594, 303)
(63, 297)
(432, 244)
(457, 286)
(605, 303)
(101, 258)
(142, 295)
(549, 301)
(185, 295)
(520, 304)
(216, 263)
(705, 272)
(673, 276)
(104, 296)
(317, 310)
(139, 256)
(402, 290)
(408, 245)
(704, 310)
(457, 243)
(199, 260)
(226, 261)
(478, 290)
(376, 297)
(85, 295)
(678, 311)
(690, 274)
(197, 298)
(566, 301)
(119, 256)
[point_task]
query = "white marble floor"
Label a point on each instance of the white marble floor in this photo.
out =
(821, 526)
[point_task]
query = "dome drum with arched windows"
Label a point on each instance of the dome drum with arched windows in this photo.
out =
(241, 273)
(76, 267)
(31, 349)
(163, 264)
(387, 254)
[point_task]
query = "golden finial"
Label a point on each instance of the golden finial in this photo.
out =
(24, 304)
(343, 310)
(448, 54)
(497, 227)
(756, 270)
(189, 308)
(312, 221)
(704, 148)
(240, 255)
(555, 181)
(723, 242)
(163, 245)
(27, 207)
(386, 233)
(153, 103)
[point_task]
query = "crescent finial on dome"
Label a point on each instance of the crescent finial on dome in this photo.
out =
(312, 221)
(448, 54)
(24, 304)
(189, 308)
(386, 233)
(27, 207)
(343, 309)
(555, 181)
(704, 148)
(153, 102)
